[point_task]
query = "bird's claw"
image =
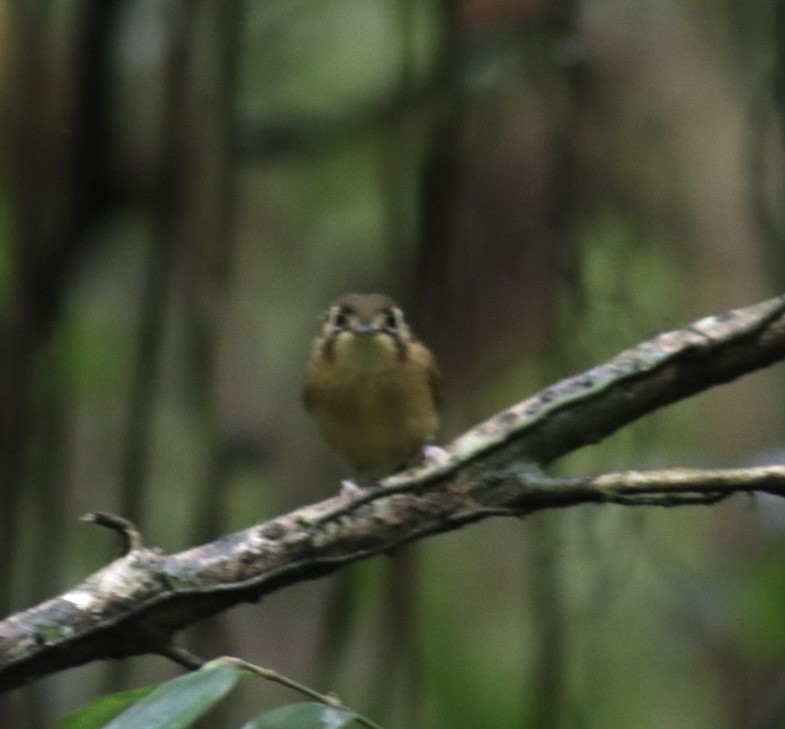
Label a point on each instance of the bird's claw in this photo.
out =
(350, 490)
(435, 455)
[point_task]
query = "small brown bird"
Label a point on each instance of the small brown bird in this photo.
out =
(371, 386)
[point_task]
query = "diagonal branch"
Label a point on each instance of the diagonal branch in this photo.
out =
(137, 603)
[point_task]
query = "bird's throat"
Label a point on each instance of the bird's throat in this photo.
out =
(366, 353)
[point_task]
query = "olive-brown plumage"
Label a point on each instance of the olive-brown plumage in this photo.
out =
(371, 386)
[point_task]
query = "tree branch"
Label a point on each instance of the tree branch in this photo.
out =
(137, 603)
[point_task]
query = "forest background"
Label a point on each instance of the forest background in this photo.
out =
(184, 186)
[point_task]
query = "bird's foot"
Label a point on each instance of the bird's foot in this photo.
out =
(352, 489)
(349, 489)
(435, 455)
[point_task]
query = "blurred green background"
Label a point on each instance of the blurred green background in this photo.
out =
(184, 186)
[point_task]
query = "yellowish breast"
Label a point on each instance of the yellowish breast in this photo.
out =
(377, 414)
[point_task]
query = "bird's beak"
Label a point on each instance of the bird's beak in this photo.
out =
(364, 329)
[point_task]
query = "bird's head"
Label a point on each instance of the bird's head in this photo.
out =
(364, 330)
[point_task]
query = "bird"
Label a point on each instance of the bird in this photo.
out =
(373, 388)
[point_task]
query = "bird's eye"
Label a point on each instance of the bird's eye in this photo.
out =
(340, 320)
(390, 320)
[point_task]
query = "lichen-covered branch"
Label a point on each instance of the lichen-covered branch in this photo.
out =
(137, 603)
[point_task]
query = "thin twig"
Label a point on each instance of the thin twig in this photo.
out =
(271, 675)
(183, 657)
(131, 535)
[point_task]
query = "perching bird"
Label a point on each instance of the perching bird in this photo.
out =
(372, 387)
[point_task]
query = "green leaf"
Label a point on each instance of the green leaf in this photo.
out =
(100, 711)
(307, 715)
(177, 703)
